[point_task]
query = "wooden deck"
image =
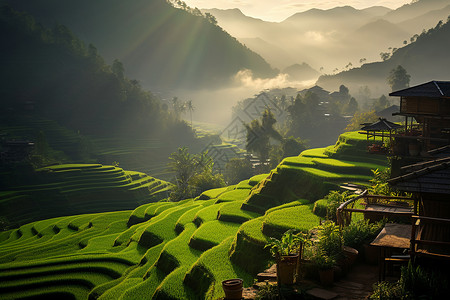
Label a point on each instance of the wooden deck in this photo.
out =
(388, 210)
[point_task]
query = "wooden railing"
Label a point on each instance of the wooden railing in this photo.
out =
(344, 214)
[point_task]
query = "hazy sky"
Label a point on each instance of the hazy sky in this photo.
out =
(278, 10)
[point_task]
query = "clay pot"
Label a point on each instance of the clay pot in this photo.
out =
(351, 254)
(232, 288)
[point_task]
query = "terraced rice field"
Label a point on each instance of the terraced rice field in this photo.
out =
(79, 188)
(168, 250)
(126, 254)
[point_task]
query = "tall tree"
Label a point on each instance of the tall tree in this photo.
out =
(190, 108)
(352, 106)
(398, 78)
(259, 134)
(193, 174)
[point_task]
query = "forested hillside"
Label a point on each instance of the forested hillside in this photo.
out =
(59, 93)
(52, 74)
(162, 46)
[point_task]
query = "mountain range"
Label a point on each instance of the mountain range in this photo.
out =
(333, 39)
(168, 48)
(424, 60)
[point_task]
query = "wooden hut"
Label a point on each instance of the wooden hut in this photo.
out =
(426, 108)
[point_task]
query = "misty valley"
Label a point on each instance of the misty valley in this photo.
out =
(154, 150)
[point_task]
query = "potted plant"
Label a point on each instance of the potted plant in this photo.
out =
(359, 234)
(286, 252)
(328, 250)
(325, 266)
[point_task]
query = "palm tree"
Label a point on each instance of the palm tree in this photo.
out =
(259, 135)
(175, 106)
(191, 108)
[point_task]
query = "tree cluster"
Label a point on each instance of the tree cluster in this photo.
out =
(193, 174)
(259, 136)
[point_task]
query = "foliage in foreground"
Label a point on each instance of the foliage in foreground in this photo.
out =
(415, 282)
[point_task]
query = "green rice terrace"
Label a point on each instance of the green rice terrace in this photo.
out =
(164, 250)
(79, 188)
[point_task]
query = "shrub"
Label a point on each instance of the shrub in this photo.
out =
(414, 283)
(386, 290)
(289, 243)
(335, 199)
(267, 292)
(360, 232)
(419, 283)
(238, 169)
(330, 240)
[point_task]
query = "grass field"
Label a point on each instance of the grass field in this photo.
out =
(163, 250)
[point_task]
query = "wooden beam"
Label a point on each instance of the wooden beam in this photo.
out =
(431, 219)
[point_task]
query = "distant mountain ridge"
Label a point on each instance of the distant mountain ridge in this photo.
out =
(336, 38)
(426, 59)
(414, 10)
(162, 46)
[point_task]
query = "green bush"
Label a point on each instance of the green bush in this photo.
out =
(335, 199)
(415, 283)
(360, 232)
(267, 292)
(330, 240)
(386, 290)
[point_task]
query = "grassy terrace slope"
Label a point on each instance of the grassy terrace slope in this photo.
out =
(175, 250)
(316, 171)
(79, 188)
